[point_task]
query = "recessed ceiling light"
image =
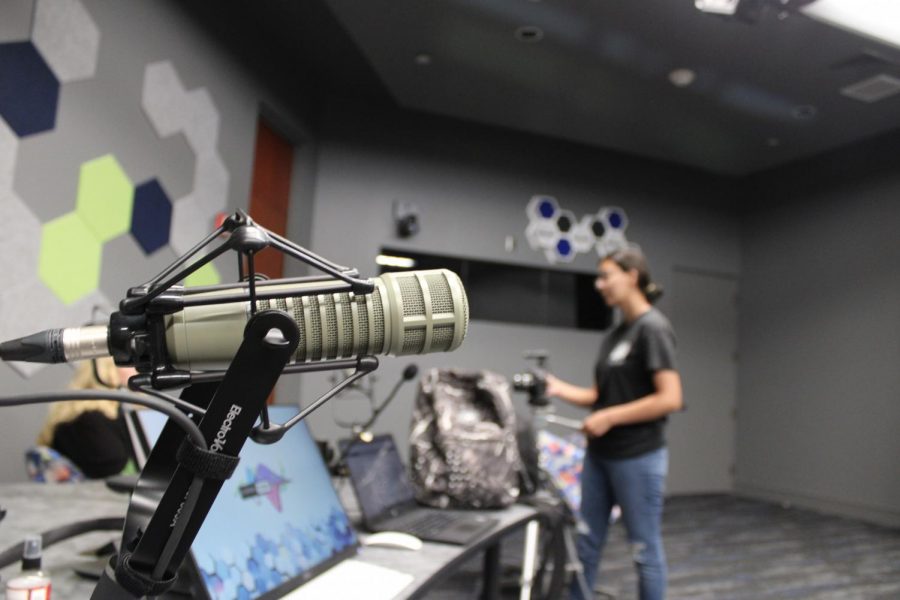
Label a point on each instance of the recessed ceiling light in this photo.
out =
(422, 59)
(682, 77)
(529, 34)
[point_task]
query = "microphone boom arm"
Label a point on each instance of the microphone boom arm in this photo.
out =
(181, 479)
(161, 524)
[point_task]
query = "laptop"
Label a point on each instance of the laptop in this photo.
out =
(276, 523)
(387, 499)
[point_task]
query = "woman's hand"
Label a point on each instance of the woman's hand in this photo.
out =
(554, 385)
(598, 423)
(557, 388)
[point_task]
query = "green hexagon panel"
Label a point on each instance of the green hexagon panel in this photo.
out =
(205, 275)
(69, 262)
(105, 198)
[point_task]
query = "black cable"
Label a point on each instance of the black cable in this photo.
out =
(408, 373)
(190, 428)
(64, 532)
(185, 406)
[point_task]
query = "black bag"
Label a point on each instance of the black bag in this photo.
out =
(463, 447)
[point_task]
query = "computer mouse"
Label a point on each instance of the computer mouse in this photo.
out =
(393, 539)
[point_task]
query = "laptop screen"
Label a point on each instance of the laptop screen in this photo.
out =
(379, 478)
(275, 523)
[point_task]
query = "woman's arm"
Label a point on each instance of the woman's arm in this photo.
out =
(666, 399)
(580, 396)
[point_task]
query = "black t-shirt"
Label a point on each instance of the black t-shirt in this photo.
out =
(629, 357)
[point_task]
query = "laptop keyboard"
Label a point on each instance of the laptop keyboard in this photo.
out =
(424, 524)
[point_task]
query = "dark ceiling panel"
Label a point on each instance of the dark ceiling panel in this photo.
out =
(765, 93)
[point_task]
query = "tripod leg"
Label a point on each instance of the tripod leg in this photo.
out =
(575, 563)
(491, 584)
(529, 556)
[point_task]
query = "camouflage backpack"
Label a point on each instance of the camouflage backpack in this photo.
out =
(463, 448)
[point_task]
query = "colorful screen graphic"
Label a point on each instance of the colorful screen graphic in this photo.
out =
(277, 520)
(562, 458)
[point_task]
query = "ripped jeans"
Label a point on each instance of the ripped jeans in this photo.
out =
(637, 485)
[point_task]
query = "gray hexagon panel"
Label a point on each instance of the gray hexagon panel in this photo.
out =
(163, 99)
(15, 26)
(67, 38)
(20, 239)
(210, 183)
(172, 109)
(202, 127)
(8, 146)
(190, 224)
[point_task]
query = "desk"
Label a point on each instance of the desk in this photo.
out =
(33, 508)
(434, 562)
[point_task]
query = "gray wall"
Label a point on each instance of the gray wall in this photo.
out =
(820, 337)
(471, 186)
(102, 115)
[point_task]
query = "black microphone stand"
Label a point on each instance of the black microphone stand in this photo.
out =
(181, 479)
(359, 431)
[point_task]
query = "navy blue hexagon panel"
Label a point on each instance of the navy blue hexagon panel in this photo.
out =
(29, 91)
(561, 236)
(151, 216)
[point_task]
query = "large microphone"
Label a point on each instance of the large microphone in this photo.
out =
(412, 312)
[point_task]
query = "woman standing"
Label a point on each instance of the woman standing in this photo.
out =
(636, 385)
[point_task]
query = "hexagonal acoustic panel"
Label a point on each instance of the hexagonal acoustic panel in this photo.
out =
(172, 109)
(152, 216)
(59, 264)
(105, 197)
(69, 262)
(29, 91)
(20, 239)
(8, 147)
(67, 37)
(614, 221)
(205, 275)
(561, 237)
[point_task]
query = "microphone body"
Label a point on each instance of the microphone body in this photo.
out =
(413, 312)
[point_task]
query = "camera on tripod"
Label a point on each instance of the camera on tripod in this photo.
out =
(533, 381)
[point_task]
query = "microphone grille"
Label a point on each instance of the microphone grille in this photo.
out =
(407, 313)
(428, 311)
(315, 328)
(442, 302)
(347, 348)
(376, 327)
